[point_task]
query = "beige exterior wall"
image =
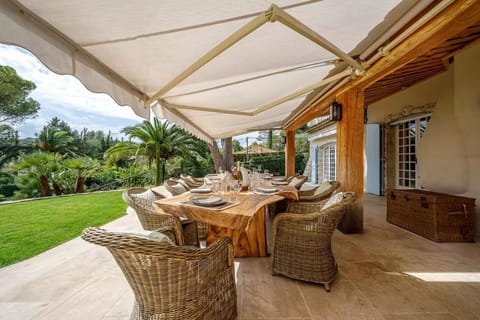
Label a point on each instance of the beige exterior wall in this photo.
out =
(464, 77)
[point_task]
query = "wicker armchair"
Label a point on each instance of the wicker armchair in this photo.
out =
(152, 219)
(318, 193)
(172, 282)
(175, 187)
(301, 241)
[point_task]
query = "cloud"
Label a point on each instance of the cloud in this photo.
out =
(65, 96)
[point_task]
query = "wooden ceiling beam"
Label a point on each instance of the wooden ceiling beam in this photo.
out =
(447, 24)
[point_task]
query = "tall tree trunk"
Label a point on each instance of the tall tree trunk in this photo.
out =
(217, 158)
(44, 186)
(227, 154)
(158, 169)
(270, 139)
(57, 189)
(80, 185)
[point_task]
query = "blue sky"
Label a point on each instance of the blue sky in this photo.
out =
(65, 97)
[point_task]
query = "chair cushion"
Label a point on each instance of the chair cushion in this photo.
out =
(148, 196)
(245, 177)
(161, 192)
(149, 235)
(296, 182)
(177, 189)
(323, 187)
(335, 199)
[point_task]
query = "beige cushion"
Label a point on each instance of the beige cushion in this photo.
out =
(176, 189)
(296, 182)
(160, 191)
(149, 196)
(144, 234)
(245, 177)
(323, 187)
(335, 199)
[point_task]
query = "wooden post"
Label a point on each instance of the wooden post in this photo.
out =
(290, 153)
(350, 140)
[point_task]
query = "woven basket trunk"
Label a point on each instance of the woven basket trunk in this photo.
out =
(435, 216)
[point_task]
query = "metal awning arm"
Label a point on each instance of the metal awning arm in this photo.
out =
(297, 26)
(238, 35)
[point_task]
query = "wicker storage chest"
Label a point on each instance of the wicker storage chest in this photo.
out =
(436, 216)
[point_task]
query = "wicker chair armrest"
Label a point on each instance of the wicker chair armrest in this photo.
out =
(113, 240)
(314, 197)
(305, 206)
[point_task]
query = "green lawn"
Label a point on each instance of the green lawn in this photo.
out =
(31, 227)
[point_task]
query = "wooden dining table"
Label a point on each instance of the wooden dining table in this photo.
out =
(243, 221)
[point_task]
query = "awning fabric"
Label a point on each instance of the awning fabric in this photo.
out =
(133, 49)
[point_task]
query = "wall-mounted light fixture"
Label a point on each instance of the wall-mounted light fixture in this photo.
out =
(335, 111)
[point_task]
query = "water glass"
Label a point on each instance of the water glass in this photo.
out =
(235, 190)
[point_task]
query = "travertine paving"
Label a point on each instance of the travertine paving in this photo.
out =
(384, 273)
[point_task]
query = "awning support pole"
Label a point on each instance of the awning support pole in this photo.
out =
(268, 106)
(217, 50)
(297, 26)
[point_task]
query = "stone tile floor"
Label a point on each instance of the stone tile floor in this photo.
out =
(384, 273)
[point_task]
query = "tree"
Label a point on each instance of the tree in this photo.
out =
(56, 136)
(216, 156)
(10, 146)
(227, 153)
(236, 146)
(15, 105)
(40, 165)
(159, 142)
(83, 167)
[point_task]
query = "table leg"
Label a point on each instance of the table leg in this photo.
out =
(247, 243)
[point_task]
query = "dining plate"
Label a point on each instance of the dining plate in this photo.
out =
(209, 201)
(201, 190)
(267, 190)
(279, 179)
(280, 183)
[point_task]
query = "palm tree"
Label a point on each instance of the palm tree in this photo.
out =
(159, 142)
(40, 164)
(52, 140)
(84, 167)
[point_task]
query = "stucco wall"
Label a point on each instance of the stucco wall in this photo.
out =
(466, 99)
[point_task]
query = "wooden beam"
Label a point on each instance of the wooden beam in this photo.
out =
(350, 141)
(290, 153)
(442, 27)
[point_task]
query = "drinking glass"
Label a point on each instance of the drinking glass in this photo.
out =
(236, 186)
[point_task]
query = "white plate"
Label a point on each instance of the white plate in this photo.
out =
(209, 202)
(280, 183)
(201, 190)
(267, 190)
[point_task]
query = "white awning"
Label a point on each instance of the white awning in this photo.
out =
(134, 50)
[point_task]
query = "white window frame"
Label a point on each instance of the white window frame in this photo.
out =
(417, 119)
(327, 162)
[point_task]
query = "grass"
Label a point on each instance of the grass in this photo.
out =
(31, 227)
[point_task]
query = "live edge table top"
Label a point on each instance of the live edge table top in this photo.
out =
(235, 217)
